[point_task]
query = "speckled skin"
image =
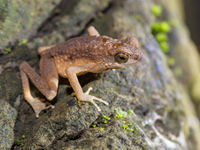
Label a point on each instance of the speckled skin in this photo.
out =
(76, 56)
(97, 49)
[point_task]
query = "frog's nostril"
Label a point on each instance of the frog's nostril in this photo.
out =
(137, 57)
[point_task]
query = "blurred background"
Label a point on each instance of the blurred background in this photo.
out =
(192, 19)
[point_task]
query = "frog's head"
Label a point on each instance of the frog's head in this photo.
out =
(125, 52)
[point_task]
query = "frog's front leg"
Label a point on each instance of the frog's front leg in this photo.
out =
(47, 83)
(72, 77)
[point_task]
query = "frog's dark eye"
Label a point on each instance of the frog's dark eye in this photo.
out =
(121, 58)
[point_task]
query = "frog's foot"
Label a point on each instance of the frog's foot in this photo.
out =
(90, 98)
(38, 106)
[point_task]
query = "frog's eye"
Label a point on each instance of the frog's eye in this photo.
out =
(121, 58)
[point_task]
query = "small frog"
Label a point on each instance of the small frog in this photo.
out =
(93, 53)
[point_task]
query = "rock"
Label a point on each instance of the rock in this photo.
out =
(7, 122)
(71, 23)
(148, 88)
(184, 52)
(148, 108)
(20, 19)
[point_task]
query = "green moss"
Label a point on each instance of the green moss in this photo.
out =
(130, 111)
(105, 121)
(155, 27)
(165, 27)
(171, 61)
(156, 10)
(131, 129)
(164, 46)
(19, 142)
(161, 37)
(101, 129)
(119, 113)
(160, 30)
(23, 136)
(119, 116)
(106, 117)
(125, 127)
(161, 27)
(23, 42)
(7, 50)
(130, 124)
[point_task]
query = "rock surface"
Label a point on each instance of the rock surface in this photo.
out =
(7, 122)
(21, 18)
(148, 108)
(184, 49)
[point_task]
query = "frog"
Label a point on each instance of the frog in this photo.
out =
(92, 53)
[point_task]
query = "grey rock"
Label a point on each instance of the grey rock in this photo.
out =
(148, 108)
(7, 122)
(20, 19)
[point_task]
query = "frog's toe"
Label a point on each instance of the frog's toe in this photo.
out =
(39, 106)
(90, 98)
(100, 100)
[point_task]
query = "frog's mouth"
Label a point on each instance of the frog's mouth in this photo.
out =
(116, 66)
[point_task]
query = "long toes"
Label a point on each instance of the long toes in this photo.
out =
(100, 100)
(50, 106)
(37, 114)
(39, 106)
(88, 91)
(37, 111)
(95, 105)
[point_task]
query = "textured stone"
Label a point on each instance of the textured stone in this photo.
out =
(161, 114)
(20, 19)
(7, 122)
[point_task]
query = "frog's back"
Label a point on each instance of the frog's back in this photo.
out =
(80, 44)
(80, 47)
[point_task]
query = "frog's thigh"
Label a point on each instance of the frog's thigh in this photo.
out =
(48, 89)
(92, 31)
(49, 73)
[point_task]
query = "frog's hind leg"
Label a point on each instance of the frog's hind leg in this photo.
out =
(92, 31)
(47, 83)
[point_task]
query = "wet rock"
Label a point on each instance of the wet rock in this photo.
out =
(20, 19)
(7, 122)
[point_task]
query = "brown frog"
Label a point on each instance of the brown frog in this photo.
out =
(93, 53)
